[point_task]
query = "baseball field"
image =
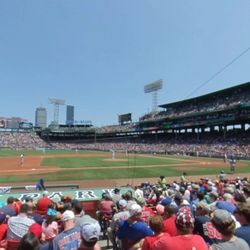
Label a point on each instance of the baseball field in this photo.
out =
(65, 166)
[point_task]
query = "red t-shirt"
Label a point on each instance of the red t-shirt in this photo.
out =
(106, 206)
(146, 213)
(181, 242)
(43, 203)
(170, 226)
(3, 231)
(150, 240)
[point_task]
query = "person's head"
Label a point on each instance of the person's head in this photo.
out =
(90, 234)
(29, 201)
(50, 216)
(242, 212)
(116, 191)
(178, 199)
(184, 221)
(24, 208)
(156, 224)
(135, 212)
(45, 193)
(159, 209)
(213, 196)
(170, 210)
(77, 207)
(223, 222)
(246, 190)
(200, 195)
(122, 204)
(10, 200)
(68, 219)
(128, 195)
(202, 208)
(29, 242)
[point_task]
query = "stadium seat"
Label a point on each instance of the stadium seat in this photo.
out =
(12, 244)
(90, 207)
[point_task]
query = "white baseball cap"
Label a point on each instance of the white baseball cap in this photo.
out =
(68, 215)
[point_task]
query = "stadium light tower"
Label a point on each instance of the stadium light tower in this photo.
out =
(153, 88)
(56, 102)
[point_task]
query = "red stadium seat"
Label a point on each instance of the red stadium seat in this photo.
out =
(12, 244)
(90, 207)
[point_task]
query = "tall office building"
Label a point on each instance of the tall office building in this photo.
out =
(41, 117)
(70, 115)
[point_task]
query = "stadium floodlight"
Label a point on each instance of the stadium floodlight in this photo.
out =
(153, 88)
(56, 102)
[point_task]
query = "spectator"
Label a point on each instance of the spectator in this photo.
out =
(70, 237)
(10, 209)
(80, 217)
(242, 214)
(18, 225)
(121, 215)
(43, 203)
(185, 239)
(117, 196)
(156, 224)
(3, 226)
(90, 235)
(29, 242)
(203, 225)
(50, 225)
(132, 230)
(224, 223)
(169, 220)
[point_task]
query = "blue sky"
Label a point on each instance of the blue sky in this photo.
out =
(99, 54)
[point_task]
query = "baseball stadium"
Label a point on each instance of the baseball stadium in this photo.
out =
(196, 141)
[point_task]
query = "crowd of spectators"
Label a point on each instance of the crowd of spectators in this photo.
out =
(212, 145)
(209, 146)
(215, 103)
(116, 128)
(21, 140)
(208, 214)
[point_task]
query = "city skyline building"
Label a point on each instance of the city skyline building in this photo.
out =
(70, 115)
(41, 117)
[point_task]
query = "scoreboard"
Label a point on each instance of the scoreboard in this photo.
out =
(125, 118)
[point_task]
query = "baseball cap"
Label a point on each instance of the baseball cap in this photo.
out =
(122, 203)
(204, 206)
(68, 215)
(214, 194)
(184, 219)
(166, 201)
(226, 206)
(135, 209)
(222, 217)
(90, 231)
(36, 229)
(178, 197)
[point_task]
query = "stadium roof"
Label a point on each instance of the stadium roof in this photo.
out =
(222, 92)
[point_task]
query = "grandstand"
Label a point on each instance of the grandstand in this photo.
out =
(208, 125)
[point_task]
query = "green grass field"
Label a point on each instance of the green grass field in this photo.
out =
(88, 165)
